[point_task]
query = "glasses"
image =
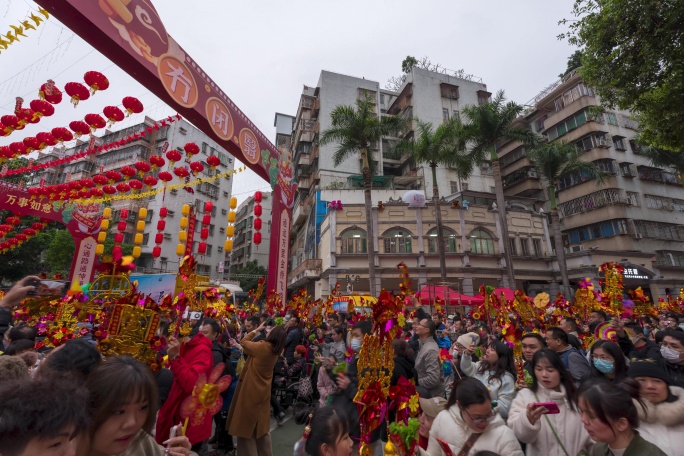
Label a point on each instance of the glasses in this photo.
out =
(479, 420)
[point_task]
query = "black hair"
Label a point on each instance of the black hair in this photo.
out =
(296, 319)
(40, 410)
(602, 313)
(402, 350)
(504, 364)
(572, 322)
(679, 335)
(76, 357)
(566, 379)
(534, 336)
(23, 332)
(635, 326)
(328, 426)
(19, 346)
(255, 321)
(277, 338)
(364, 326)
(430, 325)
(323, 326)
(438, 315)
(334, 317)
(616, 353)
(593, 325)
(559, 334)
(468, 391)
(609, 402)
(215, 327)
(660, 335)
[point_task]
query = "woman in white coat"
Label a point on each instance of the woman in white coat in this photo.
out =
(661, 406)
(546, 434)
(469, 424)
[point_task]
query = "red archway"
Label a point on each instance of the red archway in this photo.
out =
(132, 35)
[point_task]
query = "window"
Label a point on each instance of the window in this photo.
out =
(524, 247)
(626, 169)
(454, 186)
(537, 247)
(354, 241)
(612, 119)
(633, 198)
(445, 114)
(513, 246)
(606, 166)
(567, 125)
(182, 131)
(456, 114)
(481, 242)
(397, 241)
(598, 230)
(619, 143)
(464, 186)
(449, 240)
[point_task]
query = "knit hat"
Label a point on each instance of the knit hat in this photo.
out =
(301, 349)
(432, 406)
(648, 368)
(468, 339)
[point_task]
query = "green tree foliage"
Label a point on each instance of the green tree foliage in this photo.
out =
(574, 62)
(252, 268)
(632, 57)
(24, 260)
(16, 163)
(60, 252)
(408, 63)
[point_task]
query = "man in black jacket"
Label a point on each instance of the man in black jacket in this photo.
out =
(294, 338)
(630, 338)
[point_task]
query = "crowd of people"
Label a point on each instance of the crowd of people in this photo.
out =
(569, 395)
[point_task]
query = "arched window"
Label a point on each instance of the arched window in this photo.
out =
(481, 242)
(449, 240)
(354, 241)
(397, 240)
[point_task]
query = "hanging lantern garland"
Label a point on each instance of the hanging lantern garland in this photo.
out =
(104, 226)
(119, 237)
(19, 238)
(96, 81)
(140, 229)
(159, 237)
(230, 229)
(77, 92)
(50, 93)
(204, 232)
(183, 234)
(257, 217)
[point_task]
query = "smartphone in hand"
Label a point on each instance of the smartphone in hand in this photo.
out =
(551, 407)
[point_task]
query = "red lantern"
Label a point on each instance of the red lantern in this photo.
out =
(100, 180)
(62, 134)
(121, 225)
(213, 161)
(123, 187)
(50, 93)
(204, 233)
(165, 176)
(132, 105)
(109, 189)
(181, 172)
(6, 227)
(157, 161)
(75, 185)
(257, 210)
(202, 248)
(27, 116)
(95, 121)
(29, 232)
(46, 139)
(206, 219)
(10, 121)
(124, 213)
(85, 193)
(257, 237)
(118, 238)
(159, 238)
(161, 224)
(113, 114)
(136, 184)
(128, 172)
(116, 251)
(37, 226)
(173, 156)
(6, 152)
(113, 176)
(150, 181)
(257, 224)
(191, 149)
(31, 144)
(4, 131)
(77, 92)
(18, 148)
(196, 167)
(87, 183)
(257, 197)
(42, 108)
(21, 237)
(142, 167)
(79, 128)
(156, 251)
(96, 193)
(208, 206)
(96, 81)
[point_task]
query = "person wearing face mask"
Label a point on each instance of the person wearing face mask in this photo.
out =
(428, 366)
(630, 338)
(607, 361)
(672, 350)
(469, 425)
(660, 405)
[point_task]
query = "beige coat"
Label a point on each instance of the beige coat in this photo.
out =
(250, 412)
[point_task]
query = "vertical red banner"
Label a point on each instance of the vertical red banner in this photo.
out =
(192, 221)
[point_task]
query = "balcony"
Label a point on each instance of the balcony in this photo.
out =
(657, 175)
(595, 200)
(307, 271)
(301, 211)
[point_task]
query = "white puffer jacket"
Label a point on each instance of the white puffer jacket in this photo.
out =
(539, 436)
(450, 427)
(663, 424)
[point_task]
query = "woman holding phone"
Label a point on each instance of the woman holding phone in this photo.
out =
(545, 416)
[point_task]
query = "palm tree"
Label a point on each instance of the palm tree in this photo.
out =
(444, 146)
(665, 159)
(554, 161)
(490, 124)
(355, 130)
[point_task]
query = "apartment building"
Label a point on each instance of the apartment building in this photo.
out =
(636, 217)
(244, 250)
(174, 135)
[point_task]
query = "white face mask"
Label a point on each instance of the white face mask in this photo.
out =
(670, 354)
(356, 345)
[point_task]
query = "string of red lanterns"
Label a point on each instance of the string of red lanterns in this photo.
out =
(257, 217)
(19, 238)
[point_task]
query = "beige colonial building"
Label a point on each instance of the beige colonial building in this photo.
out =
(472, 240)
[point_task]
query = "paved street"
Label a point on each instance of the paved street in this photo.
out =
(285, 436)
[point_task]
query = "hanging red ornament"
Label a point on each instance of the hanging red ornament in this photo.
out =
(42, 108)
(206, 219)
(18, 148)
(85, 193)
(114, 176)
(95, 121)
(6, 152)
(13, 220)
(37, 226)
(196, 167)
(77, 92)
(31, 144)
(10, 121)
(79, 128)
(109, 189)
(113, 114)
(182, 173)
(163, 212)
(74, 185)
(202, 248)
(62, 134)
(28, 116)
(161, 225)
(165, 177)
(157, 161)
(50, 93)
(87, 183)
(118, 237)
(128, 172)
(5, 131)
(257, 197)
(124, 213)
(208, 206)
(121, 226)
(257, 210)
(191, 149)
(96, 193)
(142, 167)
(132, 105)
(18, 104)
(159, 238)
(173, 156)
(96, 81)
(135, 184)
(150, 181)
(257, 237)
(29, 232)
(46, 139)
(213, 161)
(100, 180)
(257, 224)
(204, 233)
(156, 251)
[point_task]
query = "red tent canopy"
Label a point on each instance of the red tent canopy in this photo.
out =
(428, 294)
(508, 294)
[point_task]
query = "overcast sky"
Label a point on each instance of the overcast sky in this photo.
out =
(261, 52)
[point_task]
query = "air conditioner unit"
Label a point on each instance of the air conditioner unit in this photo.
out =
(602, 143)
(576, 248)
(638, 236)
